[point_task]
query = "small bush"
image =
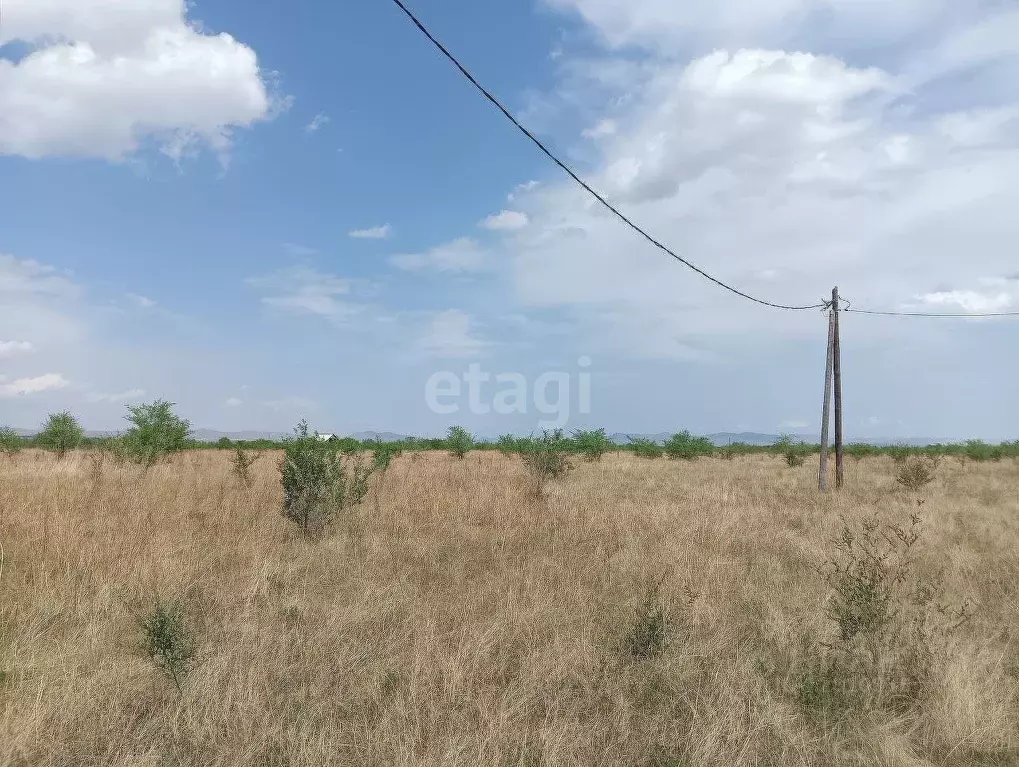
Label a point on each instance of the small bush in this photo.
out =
(168, 642)
(241, 464)
(794, 453)
(915, 472)
(648, 635)
(318, 483)
(156, 432)
(546, 458)
(891, 626)
(592, 444)
(507, 444)
(10, 442)
(61, 433)
(688, 447)
(645, 448)
(859, 450)
(459, 442)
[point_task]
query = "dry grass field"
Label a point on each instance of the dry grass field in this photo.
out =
(458, 619)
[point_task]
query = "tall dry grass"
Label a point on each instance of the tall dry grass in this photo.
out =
(466, 622)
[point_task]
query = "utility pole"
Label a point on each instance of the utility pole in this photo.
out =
(837, 368)
(822, 474)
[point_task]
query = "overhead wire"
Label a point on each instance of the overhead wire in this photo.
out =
(572, 174)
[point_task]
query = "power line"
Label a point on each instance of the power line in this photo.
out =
(931, 314)
(545, 150)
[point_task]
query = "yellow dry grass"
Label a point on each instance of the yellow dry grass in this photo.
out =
(462, 621)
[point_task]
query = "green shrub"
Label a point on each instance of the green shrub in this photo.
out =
(645, 448)
(459, 442)
(61, 433)
(592, 444)
(156, 432)
(859, 450)
(168, 641)
(648, 635)
(794, 453)
(546, 458)
(10, 442)
(891, 626)
(688, 447)
(318, 482)
(507, 444)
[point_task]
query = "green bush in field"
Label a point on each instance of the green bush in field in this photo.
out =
(169, 642)
(319, 482)
(794, 453)
(686, 446)
(859, 450)
(459, 442)
(156, 432)
(547, 458)
(592, 444)
(507, 444)
(10, 441)
(61, 433)
(645, 448)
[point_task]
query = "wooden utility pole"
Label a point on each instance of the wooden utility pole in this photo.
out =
(822, 474)
(837, 369)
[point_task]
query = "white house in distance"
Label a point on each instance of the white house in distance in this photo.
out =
(327, 437)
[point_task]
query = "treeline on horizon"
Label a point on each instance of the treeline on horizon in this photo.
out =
(682, 445)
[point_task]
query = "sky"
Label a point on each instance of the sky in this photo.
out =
(266, 213)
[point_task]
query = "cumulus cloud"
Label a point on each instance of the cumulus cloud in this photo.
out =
(461, 255)
(36, 385)
(372, 233)
(450, 334)
(505, 221)
(102, 78)
(780, 171)
(12, 348)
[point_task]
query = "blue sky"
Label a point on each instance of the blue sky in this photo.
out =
(265, 215)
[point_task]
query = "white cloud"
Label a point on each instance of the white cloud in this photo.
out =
(505, 221)
(124, 396)
(603, 129)
(103, 78)
(780, 172)
(43, 383)
(461, 255)
(142, 302)
(233, 402)
(527, 186)
(372, 233)
(317, 122)
(12, 348)
(996, 295)
(302, 290)
(450, 334)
